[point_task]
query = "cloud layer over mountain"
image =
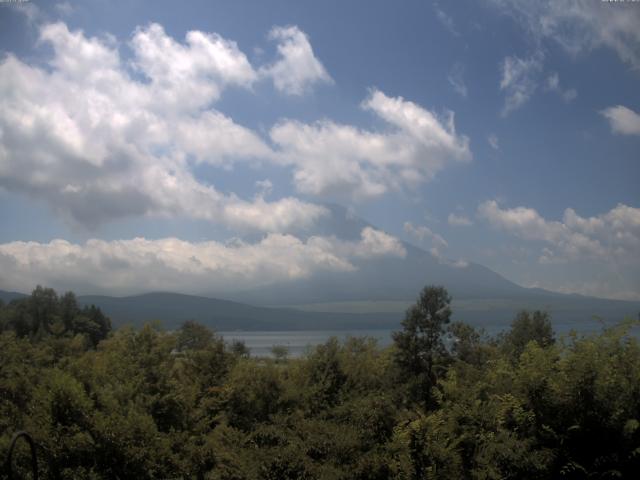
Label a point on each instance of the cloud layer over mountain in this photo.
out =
(171, 264)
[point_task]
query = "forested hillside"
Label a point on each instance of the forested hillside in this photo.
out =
(445, 401)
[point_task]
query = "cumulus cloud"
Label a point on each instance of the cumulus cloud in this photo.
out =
(427, 239)
(188, 75)
(612, 236)
(141, 265)
(276, 216)
(580, 26)
(298, 69)
(99, 138)
(519, 81)
(459, 220)
(623, 120)
(332, 159)
(376, 243)
(434, 243)
(425, 234)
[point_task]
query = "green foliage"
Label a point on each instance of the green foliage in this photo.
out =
(45, 314)
(526, 328)
(469, 345)
(419, 346)
(194, 336)
(280, 352)
(153, 404)
(253, 393)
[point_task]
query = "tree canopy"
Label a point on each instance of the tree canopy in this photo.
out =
(147, 403)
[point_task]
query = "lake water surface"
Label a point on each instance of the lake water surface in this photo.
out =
(298, 341)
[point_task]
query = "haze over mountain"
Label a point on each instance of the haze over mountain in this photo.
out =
(374, 294)
(392, 277)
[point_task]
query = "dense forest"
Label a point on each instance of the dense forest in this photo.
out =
(444, 401)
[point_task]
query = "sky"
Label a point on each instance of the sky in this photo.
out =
(190, 145)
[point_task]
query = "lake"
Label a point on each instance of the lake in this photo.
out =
(298, 341)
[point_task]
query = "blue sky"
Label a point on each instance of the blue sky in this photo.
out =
(497, 132)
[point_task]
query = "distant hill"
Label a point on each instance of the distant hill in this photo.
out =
(494, 313)
(173, 309)
(6, 297)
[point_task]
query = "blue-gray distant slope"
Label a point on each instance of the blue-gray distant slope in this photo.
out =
(172, 309)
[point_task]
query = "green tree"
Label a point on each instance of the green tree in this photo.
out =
(324, 376)
(90, 321)
(527, 327)
(194, 336)
(45, 314)
(253, 394)
(280, 352)
(468, 344)
(240, 349)
(420, 346)
(43, 307)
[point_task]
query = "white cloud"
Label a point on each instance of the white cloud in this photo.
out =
(552, 84)
(30, 10)
(372, 244)
(519, 80)
(580, 26)
(427, 239)
(459, 220)
(277, 216)
(189, 75)
(215, 139)
(64, 8)
(493, 141)
(456, 79)
(375, 243)
(170, 264)
(98, 138)
(265, 187)
(98, 143)
(569, 95)
(425, 236)
(623, 120)
(297, 69)
(445, 19)
(610, 237)
(331, 159)
(434, 243)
